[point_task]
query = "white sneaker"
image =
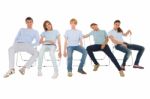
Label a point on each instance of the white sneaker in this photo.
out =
(69, 74)
(55, 75)
(10, 72)
(22, 70)
(39, 73)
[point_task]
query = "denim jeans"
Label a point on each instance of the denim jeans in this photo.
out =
(127, 52)
(70, 50)
(97, 47)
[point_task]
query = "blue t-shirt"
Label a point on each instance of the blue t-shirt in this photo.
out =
(26, 35)
(99, 36)
(50, 36)
(73, 37)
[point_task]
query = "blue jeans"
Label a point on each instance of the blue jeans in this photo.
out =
(70, 50)
(127, 52)
(97, 47)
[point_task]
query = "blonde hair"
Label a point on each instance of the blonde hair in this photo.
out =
(73, 20)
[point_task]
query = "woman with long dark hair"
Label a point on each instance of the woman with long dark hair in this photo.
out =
(116, 36)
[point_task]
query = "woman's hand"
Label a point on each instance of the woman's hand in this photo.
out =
(103, 46)
(129, 31)
(51, 42)
(59, 54)
(65, 54)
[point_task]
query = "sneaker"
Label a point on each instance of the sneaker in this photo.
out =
(121, 73)
(22, 70)
(96, 67)
(39, 73)
(55, 75)
(10, 72)
(82, 71)
(137, 66)
(69, 74)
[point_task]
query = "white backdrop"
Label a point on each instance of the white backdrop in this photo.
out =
(105, 83)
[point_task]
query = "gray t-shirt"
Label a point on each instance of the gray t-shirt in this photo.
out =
(99, 36)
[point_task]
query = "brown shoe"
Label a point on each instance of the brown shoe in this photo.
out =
(96, 67)
(121, 73)
(137, 66)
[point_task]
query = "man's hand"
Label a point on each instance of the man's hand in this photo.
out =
(102, 46)
(124, 45)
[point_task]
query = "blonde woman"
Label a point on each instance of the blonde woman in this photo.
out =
(48, 40)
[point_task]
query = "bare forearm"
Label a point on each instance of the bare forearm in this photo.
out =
(59, 46)
(106, 41)
(81, 42)
(85, 36)
(127, 33)
(117, 41)
(65, 46)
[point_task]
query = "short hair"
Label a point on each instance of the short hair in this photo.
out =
(93, 24)
(29, 18)
(74, 20)
(117, 21)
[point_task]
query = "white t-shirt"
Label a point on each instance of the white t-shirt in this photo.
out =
(116, 34)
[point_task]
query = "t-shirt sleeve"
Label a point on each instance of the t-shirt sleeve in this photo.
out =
(91, 33)
(58, 33)
(105, 33)
(43, 34)
(81, 35)
(109, 33)
(17, 36)
(37, 38)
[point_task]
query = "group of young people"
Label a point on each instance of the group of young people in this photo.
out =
(73, 42)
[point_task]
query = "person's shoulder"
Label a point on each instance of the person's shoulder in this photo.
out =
(111, 31)
(36, 31)
(91, 32)
(56, 31)
(103, 31)
(78, 30)
(68, 30)
(43, 32)
(22, 29)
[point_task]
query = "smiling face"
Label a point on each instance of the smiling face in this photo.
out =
(73, 23)
(48, 26)
(116, 25)
(94, 27)
(29, 23)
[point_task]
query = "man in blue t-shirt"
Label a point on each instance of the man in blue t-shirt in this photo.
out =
(24, 43)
